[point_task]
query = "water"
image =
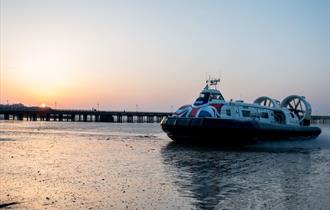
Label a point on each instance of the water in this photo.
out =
(66, 165)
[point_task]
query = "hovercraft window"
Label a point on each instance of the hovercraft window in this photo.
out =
(264, 114)
(216, 97)
(219, 97)
(246, 113)
(202, 99)
(228, 112)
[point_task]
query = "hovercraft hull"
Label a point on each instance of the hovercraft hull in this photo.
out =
(229, 132)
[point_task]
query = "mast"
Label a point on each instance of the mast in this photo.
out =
(212, 83)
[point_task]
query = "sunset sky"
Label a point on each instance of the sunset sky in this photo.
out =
(157, 54)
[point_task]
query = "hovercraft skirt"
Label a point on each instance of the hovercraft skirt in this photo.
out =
(227, 131)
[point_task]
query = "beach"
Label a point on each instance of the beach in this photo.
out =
(71, 165)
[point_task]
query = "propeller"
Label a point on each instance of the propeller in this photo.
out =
(298, 106)
(266, 101)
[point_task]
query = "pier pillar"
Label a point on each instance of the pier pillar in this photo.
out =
(73, 117)
(6, 116)
(150, 119)
(106, 118)
(119, 119)
(129, 118)
(97, 118)
(140, 119)
(20, 117)
(85, 117)
(159, 119)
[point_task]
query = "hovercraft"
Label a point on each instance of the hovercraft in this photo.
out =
(212, 119)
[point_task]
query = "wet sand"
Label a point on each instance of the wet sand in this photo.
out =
(43, 171)
(73, 166)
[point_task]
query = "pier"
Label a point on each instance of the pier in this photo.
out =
(46, 114)
(320, 119)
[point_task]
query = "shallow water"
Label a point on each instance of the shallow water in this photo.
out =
(63, 165)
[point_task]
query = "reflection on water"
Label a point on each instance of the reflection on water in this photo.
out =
(259, 177)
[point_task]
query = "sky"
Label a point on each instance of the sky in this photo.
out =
(156, 55)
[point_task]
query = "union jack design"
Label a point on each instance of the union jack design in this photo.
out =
(207, 110)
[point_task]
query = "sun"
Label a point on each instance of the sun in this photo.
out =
(43, 105)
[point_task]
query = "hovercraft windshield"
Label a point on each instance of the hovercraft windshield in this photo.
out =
(205, 97)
